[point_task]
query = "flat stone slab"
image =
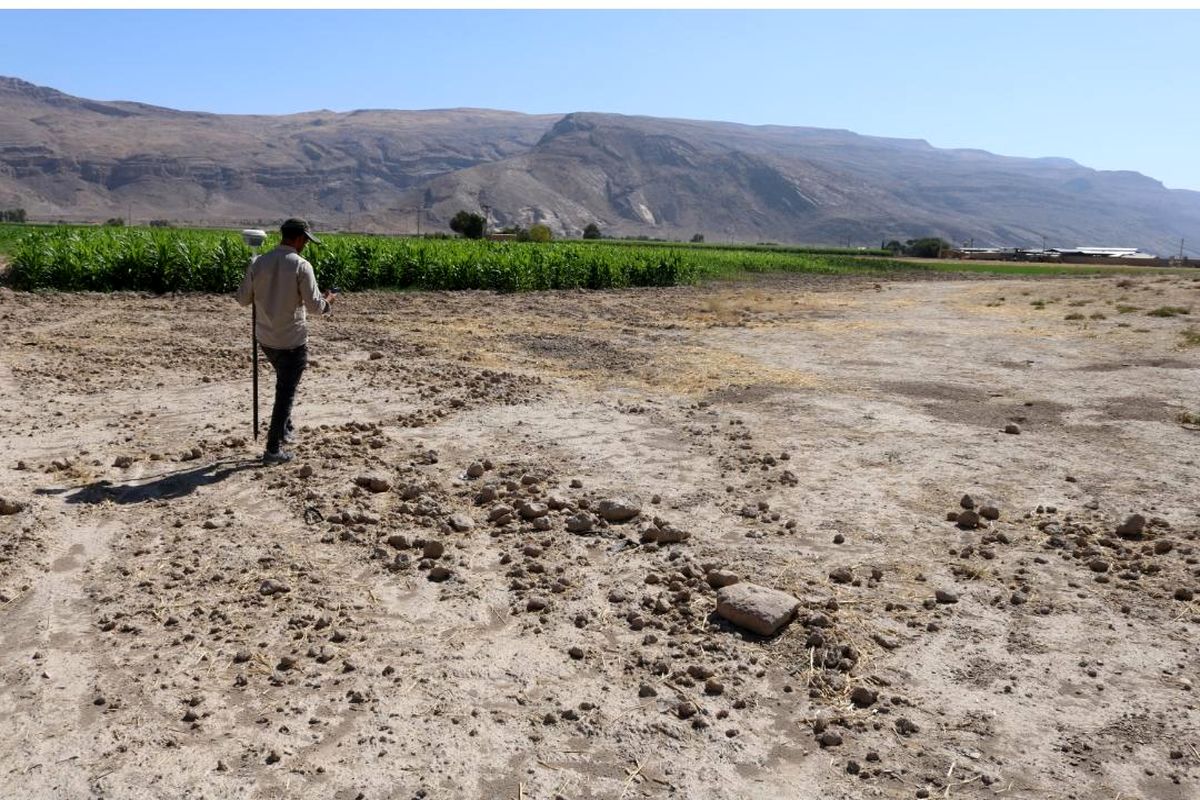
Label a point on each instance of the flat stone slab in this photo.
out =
(756, 608)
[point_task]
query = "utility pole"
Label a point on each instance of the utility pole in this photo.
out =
(487, 216)
(1181, 249)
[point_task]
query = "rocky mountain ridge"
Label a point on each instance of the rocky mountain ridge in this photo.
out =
(63, 157)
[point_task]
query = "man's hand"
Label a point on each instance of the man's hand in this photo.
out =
(330, 295)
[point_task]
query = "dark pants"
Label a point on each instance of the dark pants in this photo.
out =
(289, 366)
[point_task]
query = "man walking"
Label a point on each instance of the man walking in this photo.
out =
(282, 287)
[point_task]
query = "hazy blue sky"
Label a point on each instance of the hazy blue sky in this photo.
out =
(1113, 90)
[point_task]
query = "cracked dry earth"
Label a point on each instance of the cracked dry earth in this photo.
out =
(427, 603)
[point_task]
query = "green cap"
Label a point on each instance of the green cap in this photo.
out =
(293, 226)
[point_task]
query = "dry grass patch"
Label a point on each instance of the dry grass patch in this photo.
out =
(1169, 311)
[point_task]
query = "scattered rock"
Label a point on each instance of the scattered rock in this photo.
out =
(123, 462)
(433, 549)
(531, 511)
(863, 697)
(989, 512)
(1184, 594)
(583, 522)
(906, 727)
(829, 738)
(557, 502)
(757, 608)
(968, 520)
(886, 642)
(719, 578)
(1012, 428)
(967, 502)
(271, 587)
(841, 575)
(945, 597)
(439, 574)
(373, 483)
(1098, 565)
(1133, 527)
(10, 507)
(617, 509)
(664, 533)
(461, 522)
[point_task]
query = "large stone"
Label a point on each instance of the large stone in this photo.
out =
(461, 522)
(757, 608)
(617, 509)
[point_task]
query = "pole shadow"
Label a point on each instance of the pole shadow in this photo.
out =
(170, 486)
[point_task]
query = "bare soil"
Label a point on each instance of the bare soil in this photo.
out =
(178, 621)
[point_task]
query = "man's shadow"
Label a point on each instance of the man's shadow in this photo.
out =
(170, 486)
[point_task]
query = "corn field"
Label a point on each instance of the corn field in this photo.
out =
(156, 260)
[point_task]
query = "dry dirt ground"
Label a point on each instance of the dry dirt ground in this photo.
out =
(177, 621)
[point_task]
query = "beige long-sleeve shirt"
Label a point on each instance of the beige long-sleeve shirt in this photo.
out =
(282, 287)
